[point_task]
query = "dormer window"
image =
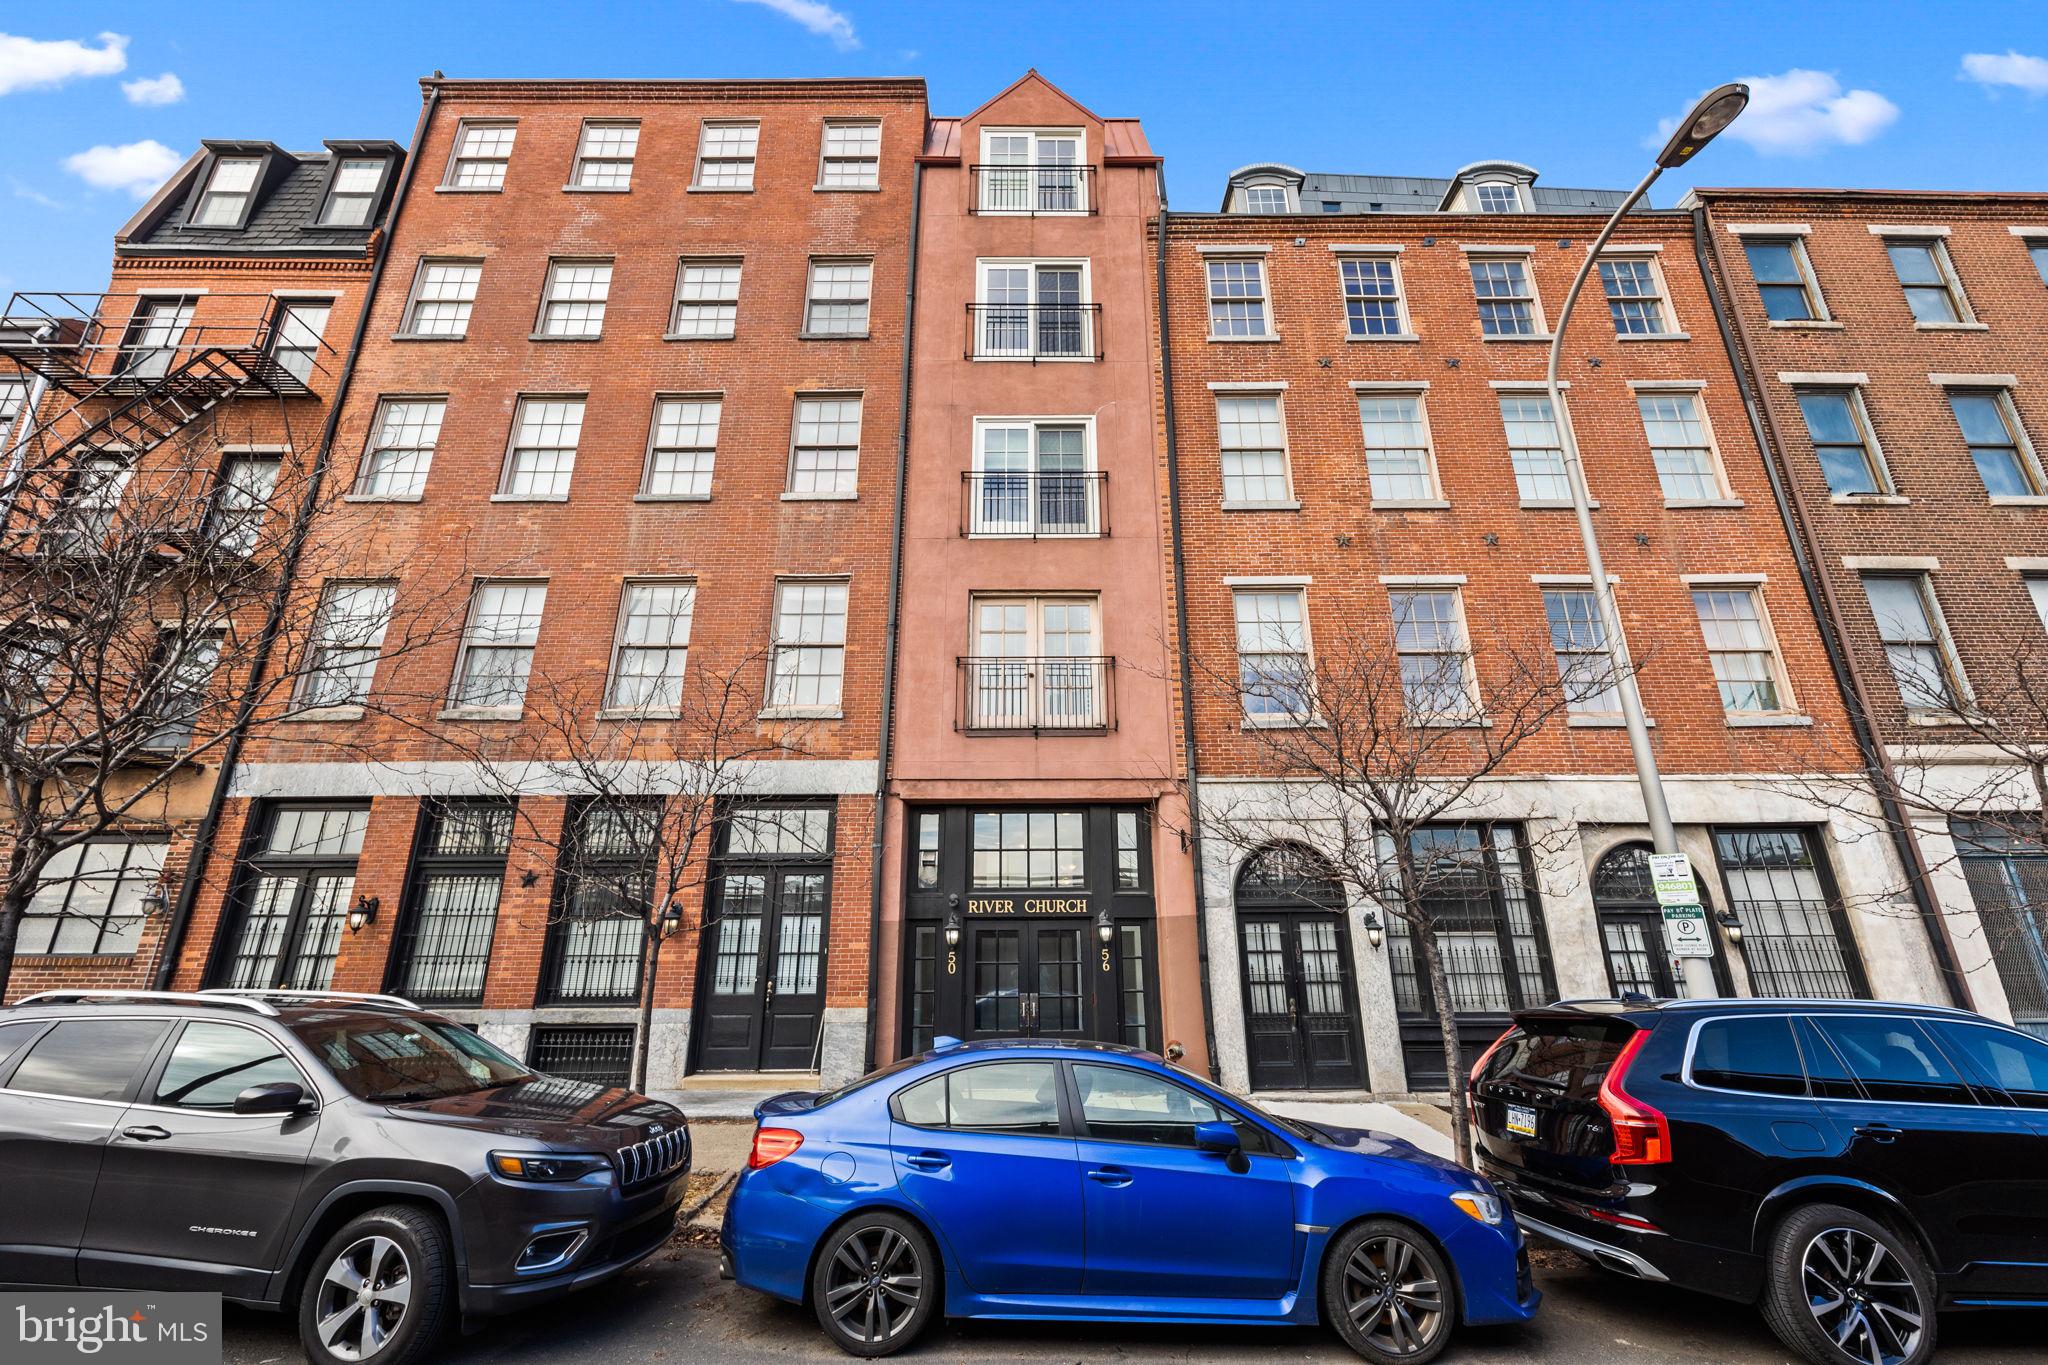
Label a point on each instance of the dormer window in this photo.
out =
(225, 201)
(1496, 197)
(352, 193)
(1265, 199)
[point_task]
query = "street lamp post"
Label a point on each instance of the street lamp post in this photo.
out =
(1714, 112)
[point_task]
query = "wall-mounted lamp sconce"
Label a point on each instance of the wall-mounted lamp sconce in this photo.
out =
(153, 900)
(671, 922)
(1104, 929)
(1730, 925)
(362, 913)
(952, 921)
(1375, 932)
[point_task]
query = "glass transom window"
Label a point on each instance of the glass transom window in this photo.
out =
(1028, 849)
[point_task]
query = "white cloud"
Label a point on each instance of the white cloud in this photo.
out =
(164, 89)
(137, 167)
(817, 16)
(2015, 68)
(31, 63)
(1803, 111)
(34, 196)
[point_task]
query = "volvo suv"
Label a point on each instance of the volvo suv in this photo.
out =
(378, 1170)
(1851, 1168)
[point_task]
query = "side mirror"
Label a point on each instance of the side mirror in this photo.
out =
(278, 1097)
(1217, 1137)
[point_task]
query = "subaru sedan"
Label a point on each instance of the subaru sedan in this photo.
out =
(1081, 1181)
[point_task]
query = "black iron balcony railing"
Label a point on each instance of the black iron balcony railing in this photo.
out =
(1075, 694)
(1034, 331)
(1036, 187)
(1034, 505)
(97, 345)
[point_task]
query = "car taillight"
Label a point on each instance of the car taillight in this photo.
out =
(1472, 1085)
(771, 1145)
(1642, 1135)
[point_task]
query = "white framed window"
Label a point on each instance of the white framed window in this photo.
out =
(1399, 462)
(1998, 443)
(604, 155)
(1275, 675)
(348, 635)
(85, 513)
(1784, 278)
(295, 336)
(241, 498)
(154, 339)
(483, 149)
(707, 298)
(2037, 592)
(352, 192)
(1237, 297)
(1030, 171)
(1033, 310)
(1933, 293)
(1535, 448)
(13, 402)
(809, 664)
(1636, 298)
(1036, 664)
(1434, 658)
(1681, 446)
(182, 675)
(572, 301)
(1506, 295)
(229, 188)
(651, 645)
(1265, 199)
(836, 297)
(850, 154)
(496, 656)
(1251, 441)
(1034, 476)
(1585, 663)
(824, 457)
(545, 433)
(1497, 196)
(1742, 649)
(1916, 641)
(1844, 444)
(401, 447)
(725, 154)
(443, 292)
(1373, 303)
(2037, 251)
(681, 446)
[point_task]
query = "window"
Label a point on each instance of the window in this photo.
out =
(497, 644)
(402, 441)
(651, 646)
(1122, 1105)
(442, 294)
(213, 1063)
(2037, 590)
(1033, 479)
(604, 156)
(1001, 1097)
(452, 910)
(2038, 249)
(155, 335)
(927, 850)
(1755, 1055)
(348, 635)
(810, 645)
(2016, 1066)
(1498, 198)
(1264, 198)
(13, 398)
(1535, 448)
(1635, 296)
(1475, 886)
(1740, 647)
(1932, 291)
(1397, 456)
(352, 193)
(1129, 866)
(14, 1037)
(836, 302)
(604, 891)
(482, 151)
(295, 340)
(1034, 310)
(1783, 279)
(1793, 937)
(88, 1059)
(1032, 172)
(1372, 296)
(1894, 1059)
(1680, 446)
(2008, 878)
(850, 156)
(1507, 300)
(763, 831)
(234, 519)
(1019, 850)
(296, 885)
(89, 898)
(181, 672)
(725, 156)
(1274, 676)
(824, 456)
(84, 516)
(1237, 299)
(1036, 665)
(1991, 429)
(1843, 442)
(707, 299)
(1429, 639)
(1916, 643)
(1585, 664)
(545, 432)
(1252, 441)
(572, 302)
(682, 447)
(225, 201)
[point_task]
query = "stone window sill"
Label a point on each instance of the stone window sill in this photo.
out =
(529, 497)
(1386, 336)
(320, 714)
(1868, 500)
(510, 716)
(1291, 505)
(1951, 326)
(671, 497)
(382, 497)
(1410, 504)
(1767, 722)
(820, 497)
(2019, 500)
(1688, 503)
(799, 713)
(1806, 324)
(1653, 336)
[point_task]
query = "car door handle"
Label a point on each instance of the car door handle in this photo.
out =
(1878, 1132)
(1116, 1177)
(928, 1161)
(152, 1133)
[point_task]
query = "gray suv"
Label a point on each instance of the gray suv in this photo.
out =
(376, 1168)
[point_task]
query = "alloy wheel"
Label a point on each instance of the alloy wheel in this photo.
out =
(1861, 1296)
(1392, 1296)
(875, 1285)
(363, 1298)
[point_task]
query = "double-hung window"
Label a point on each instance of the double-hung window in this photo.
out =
(1741, 649)
(182, 673)
(13, 399)
(809, 657)
(1933, 294)
(496, 654)
(1237, 298)
(401, 449)
(836, 299)
(1506, 296)
(1372, 296)
(1251, 439)
(1991, 429)
(295, 336)
(1681, 447)
(443, 292)
(682, 446)
(85, 515)
(482, 152)
(652, 646)
(1435, 660)
(1916, 643)
(545, 433)
(348, 635)
(1843, 442)
(707, 298)
(155, 338)
(824, 458)
(725, 155)
(1535, 448)
(850, 155)
(2037, 250)
(1635, 296)
(352, 193)
(1032, 477)
(88, 898)
(572, 302)
(1275, 679)
(451, 914)
(1397, 455)
(234, 519)
(1037, 665)
(604, 155)
(225, 200)
(1784, 279)
(1585, 664)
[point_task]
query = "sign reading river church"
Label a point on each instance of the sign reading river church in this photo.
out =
(1027, 905)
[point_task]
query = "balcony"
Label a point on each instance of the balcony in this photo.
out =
(1034, 331)
(1023, 506)
(1069, 695)
(1032, 188)
(104, 345)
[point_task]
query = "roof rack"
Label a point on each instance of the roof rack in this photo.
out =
(110, 996)
(397, 1002)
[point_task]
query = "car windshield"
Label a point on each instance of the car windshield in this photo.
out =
(1292, 1127)
(394, 1058)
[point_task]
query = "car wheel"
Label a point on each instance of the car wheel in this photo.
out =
(1388, 1293)
(1845, 1288)
(875, 1284)
(379, 1290)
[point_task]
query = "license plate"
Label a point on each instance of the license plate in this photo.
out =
(1521, 1120)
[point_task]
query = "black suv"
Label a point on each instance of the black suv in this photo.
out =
(1849, 1167)
(373, 1166)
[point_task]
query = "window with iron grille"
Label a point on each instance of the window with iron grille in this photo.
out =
(1795, 938)
(1372, 296)
(443, 293)
(572, 302)
(348, 635)
(2008, 877)
(482, 152)
(297, 880)
(1507, 300)
(1635, 296)
(725, 156)
(594, 1056)
(850, 156)
(1237, 298)
(401, 447)
(604, 155)
(1477, 892)
(89, 898)
(603, 894)
(452, 913)
(682, 447)
(836, 301)
(707, 298)
(1680, 446)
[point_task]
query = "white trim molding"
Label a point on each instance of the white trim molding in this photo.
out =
(1376, 248)
(1892, 563)
(1234, 249)
(1907, 229)
(1974, 381)
(1835, 378)
(1770, 229)
(1269, 581)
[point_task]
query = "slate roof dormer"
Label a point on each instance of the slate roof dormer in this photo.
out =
(1323, 192)
(282, 215)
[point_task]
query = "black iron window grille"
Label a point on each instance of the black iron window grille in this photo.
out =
(597, 1056)
(1795, 938)
(604, 893)
(1478, 893)
(444, 947)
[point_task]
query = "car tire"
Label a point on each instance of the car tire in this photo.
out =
(1388, 1291)
(1837, 1281)
(379, 1291)
(876, 1284)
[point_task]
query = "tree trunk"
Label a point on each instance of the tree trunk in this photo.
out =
(1424, 932)
(13, 903)
(645, 1024)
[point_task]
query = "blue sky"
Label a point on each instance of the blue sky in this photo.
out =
(1930, 96)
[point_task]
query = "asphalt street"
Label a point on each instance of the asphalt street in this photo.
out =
(678, 1310)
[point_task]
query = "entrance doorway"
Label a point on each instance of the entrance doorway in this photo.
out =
(761, 976)
(1632, 927)
(1027, 980)
(1301, 1006)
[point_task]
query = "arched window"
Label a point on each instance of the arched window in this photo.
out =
(1632, 925)
(1288, 876)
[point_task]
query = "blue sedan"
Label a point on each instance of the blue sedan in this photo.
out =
(1025, 1179)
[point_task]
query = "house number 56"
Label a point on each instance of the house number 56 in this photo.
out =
(1105, 959)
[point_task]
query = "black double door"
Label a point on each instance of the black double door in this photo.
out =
(1029, 978)
(763, 987)
(1301, 1008)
